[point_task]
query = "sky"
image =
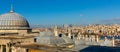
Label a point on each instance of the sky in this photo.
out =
(65, 11)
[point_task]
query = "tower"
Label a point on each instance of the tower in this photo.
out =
(113, 41)
(69, 32)
(55, 31)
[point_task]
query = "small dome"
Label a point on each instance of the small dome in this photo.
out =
(49, 38)
(13, 21)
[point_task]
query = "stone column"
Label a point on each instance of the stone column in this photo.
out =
(1, 48)
(7, 48)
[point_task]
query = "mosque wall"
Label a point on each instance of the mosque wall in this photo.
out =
(4, 41)
(24, 32)
(24, 41)
(21, 32)
(18, 49)
(8, 31)
(27, 41)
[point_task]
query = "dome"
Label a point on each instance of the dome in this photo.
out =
(48, 38)
(13, 20)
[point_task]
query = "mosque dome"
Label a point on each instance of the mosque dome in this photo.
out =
(13, 20)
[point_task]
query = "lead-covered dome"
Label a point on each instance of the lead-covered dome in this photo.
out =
(13, 20)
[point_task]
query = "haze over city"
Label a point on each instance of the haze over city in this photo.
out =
(66, 11)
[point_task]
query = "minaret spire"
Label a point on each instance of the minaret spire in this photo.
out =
(12, 9)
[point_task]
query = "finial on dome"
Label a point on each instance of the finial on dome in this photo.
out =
(12, 9)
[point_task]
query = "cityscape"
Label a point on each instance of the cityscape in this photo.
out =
(52, 26)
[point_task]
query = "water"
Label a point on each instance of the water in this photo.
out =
(100, 49)
(110, 37)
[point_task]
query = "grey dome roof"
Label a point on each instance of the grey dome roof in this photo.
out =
(49, 38)
(13, 21)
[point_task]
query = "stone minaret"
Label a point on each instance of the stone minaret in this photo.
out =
(69, 32)
(106, 39)
(55, 31)
(79, 36)
(86, 37)
(97, 38)
(113, 41)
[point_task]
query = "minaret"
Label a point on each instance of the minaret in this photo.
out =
(86, 37)
(113, 41)
(55, 31)
(69, 32)
(79, 36)
(106, 39)
(97, 38)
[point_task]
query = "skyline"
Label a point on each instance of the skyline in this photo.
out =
(65, 11)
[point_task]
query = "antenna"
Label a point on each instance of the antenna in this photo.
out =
(12, 9)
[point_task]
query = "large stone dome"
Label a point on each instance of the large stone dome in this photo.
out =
(13, 20)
